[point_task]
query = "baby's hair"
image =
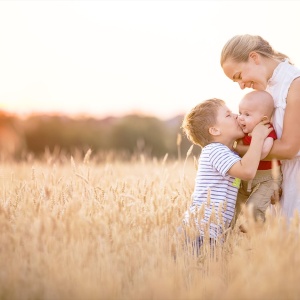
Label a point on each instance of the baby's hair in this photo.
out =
(239, 47)
(264, 101)
(197, 122)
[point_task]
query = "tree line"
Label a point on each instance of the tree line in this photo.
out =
(124, 136)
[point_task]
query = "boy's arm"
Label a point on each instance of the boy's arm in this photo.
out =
(246, 168)
(268, 144)
(242, 149)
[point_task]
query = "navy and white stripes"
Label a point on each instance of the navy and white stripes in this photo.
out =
(214, 189)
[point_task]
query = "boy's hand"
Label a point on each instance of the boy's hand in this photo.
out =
(262, 130)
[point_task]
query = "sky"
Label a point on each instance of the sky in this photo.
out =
(112, 58)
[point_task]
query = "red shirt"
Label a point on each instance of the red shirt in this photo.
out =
(263, 165)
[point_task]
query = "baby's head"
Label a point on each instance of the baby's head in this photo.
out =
(253, 108)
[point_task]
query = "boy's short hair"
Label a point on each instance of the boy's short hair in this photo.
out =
(197, 122)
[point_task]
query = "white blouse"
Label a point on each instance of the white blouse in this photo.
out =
(278, 87)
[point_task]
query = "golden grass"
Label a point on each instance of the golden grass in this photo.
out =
(86, 230)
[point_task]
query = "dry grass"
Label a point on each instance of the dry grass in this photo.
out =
(85, 230)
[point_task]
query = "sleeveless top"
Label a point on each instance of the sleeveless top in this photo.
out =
(278, 86)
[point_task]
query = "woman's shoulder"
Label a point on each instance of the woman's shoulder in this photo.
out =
(295, 70)
(294, 89)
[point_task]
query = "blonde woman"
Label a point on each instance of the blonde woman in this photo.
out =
(251, 61)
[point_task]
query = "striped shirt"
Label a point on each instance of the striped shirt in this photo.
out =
(215, 191)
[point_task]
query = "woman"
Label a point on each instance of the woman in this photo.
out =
(250, 61)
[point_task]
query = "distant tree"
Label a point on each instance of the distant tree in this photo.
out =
(59, 131)
(12, 142)
(139, 134)
(125, 136)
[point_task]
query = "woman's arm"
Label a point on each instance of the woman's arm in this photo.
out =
(289, 144)
(240, 148)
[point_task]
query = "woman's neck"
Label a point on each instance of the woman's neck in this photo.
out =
(271, 65)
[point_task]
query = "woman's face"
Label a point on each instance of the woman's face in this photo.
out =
(248, 74)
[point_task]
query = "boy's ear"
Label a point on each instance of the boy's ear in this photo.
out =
(214, 131)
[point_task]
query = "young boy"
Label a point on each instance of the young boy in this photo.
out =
(254, 107)
(213, 127)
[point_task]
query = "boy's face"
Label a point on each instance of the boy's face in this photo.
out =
(228, 124)
(250, 115)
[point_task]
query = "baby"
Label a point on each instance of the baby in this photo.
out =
(253, 108)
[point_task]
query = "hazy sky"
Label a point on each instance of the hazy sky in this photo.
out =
(116, 57)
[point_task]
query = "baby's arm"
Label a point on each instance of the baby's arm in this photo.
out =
(246, 168)
(268, 144)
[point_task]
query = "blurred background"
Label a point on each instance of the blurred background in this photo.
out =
(45, 135)
(118, 76)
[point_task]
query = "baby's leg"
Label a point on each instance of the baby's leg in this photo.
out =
(260, 198)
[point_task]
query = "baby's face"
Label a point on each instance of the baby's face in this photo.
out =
(250, 115)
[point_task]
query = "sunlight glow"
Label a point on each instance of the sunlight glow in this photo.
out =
(116, 57)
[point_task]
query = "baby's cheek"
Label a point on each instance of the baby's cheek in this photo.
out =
(239, 121)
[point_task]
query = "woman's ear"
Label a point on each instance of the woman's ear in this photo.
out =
(214, 131)
(254, 56)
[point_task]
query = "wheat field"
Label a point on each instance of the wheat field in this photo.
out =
(80, 228)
